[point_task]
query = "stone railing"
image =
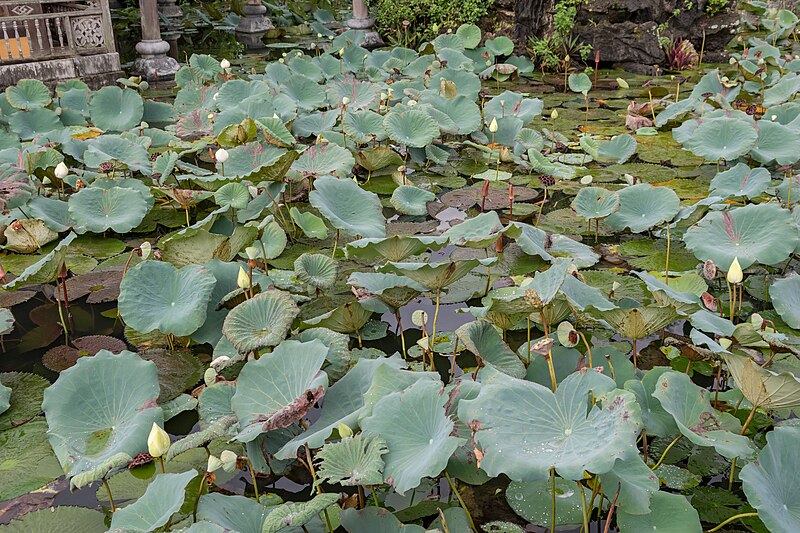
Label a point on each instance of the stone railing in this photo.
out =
(36, 30)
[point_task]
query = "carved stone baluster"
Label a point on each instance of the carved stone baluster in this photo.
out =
(59, 33)
(153, 62)
(255, 19)
(362, 21)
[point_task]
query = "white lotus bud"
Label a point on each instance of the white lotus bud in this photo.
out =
(209, 376)
(242, 280)
(251, 252)
(345, 100)
(229, 460)
(214, 463)
(145, 248)
(383, 97)
(221, 155)
(587, 179)
(341, 52)
(61, 170)
(344, 430)
(158, 441)
(630, 180)
(732, 61)
(225, 64)
(554, 114)
(735, 274)
(493, 126)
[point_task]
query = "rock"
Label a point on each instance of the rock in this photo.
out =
(624, 42)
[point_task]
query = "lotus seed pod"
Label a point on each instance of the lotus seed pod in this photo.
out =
(709, 270)
(158, 441)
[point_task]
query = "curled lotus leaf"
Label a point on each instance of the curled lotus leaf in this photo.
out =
(88, 432)
(348, 207)
(318, 270)
(761, 386)
(278, 389)
(261, 321)
(410, 200)
(45, 269)
(163, 498)
(436, 276)
(394, 248)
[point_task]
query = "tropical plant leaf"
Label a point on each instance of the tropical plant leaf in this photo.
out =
(643, 206)
(116, 109)
(97, 210)
(317, 270)
(261, 321)
(352, 461)
(414, 128)
(348, 207)
(163, 498)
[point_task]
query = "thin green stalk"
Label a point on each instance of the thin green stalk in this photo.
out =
(666, 450)
(733, 462)
(460, 501)
(432, 340)
(110, 497)
(253, 476)
(584, 511)
(197, 498)
(553, 500)
(666, 266)
(731, 519)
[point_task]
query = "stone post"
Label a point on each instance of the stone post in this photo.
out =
(362, 21)
(255, 19)
(153, 62)
(170, 8)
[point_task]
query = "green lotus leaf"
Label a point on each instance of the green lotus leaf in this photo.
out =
(417, 432)
(45, 269)
(410, 200)
(194, 245)
(378, 158)
(118, 209)
(338, 360)
(118, 149)
(377, 519)
(463, 114)
(252, 160)
(234, 195)
(595, 202)
(438, 275)
(394, 248)
(348, 207)
(541, 164)
(204, 67)
(762, 233)
(770, 483)
(532, 501)
(352, 461)
(274, 240)
(364, 126)
(638, 322)
(414, 128)
(275, 132)
(88, 432)
(27, 391)
(534, 241)
(156, 295)
(500, 46)
(277, 390)
(163, 498)
(344, 404)
(785, 296)
(298, 514)
(225, 275)
(655, 419)
(389, 289)
(479, 231)
(636, 482)
(510, 103)
(325, 158)
(741, 180)
(60, 519)
(27, 462)
(643, 206)
(261, 321)
(579, 82)
(482, 339)
(723, 137)
(236, 134)
(761, 386)
(29, 124)
(314, 123)
(347, 318)
(5, 392)
(233, 513)
(317, 270)
(776, 143)
(559, 432)
(470, 35)
(697, 420)
(303, 91)
(28, 94)
(362, 94)
(311, 224)
(618, 150)
(116, 109)
(669, 513)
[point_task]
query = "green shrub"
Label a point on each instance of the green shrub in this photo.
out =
(427, 18)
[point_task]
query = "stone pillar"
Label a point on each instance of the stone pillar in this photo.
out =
(255, 19)
(362, 21)
(153, 62)
(170, 8)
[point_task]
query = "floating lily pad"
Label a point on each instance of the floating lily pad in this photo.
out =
(263, 320)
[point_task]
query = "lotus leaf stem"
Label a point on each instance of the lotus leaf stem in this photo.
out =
(666, 266)
(666, 450)
(453, 364)
(588, 349)
(552, 499)
(584, 511)
(432, 339)
(110, 497)
(611, 367)
(733, 461)
(611, 511)
(529, 341)
(197, 497)
(253, 476)
(460, 500)
(731, 519)
(402, 333)
(61, 318)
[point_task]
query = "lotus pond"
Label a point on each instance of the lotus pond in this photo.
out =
(404, 291)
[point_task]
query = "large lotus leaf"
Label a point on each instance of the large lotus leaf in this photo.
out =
(364, 126)
(638, 322)
(618, 150)
(785, 296)
(314, 123)
(558, 432)
(116, 109)
(463, 112)
(28, 235)
(156, 295)
(348, 207)
(347, 318)
(100, 409)
(725, 138)
(378, 158)
(776, 143)
(479, 231)
(410, 200)
(225, 274)
(303, 91)
(375, 520)
(26, 459)
(510, 103)
(771, 483)
(669, 513)
(414, 128)
(741, 180)
(263, 320)
(362, 94)
(762, 233)
(338, 360)
(27, 391)
(637, 483)
(353, 461)
(417, 431)
(28, 94)
(595, 202)
(391, 289)
(252, 159)
(275, 132)
(29, 124)
(163, 498)
(234, 195)
(343, 405)
(60, 519)
(194, 245)
(295, 515)
(98, 210)
(698, 421)
(643, 206)
(532, 500)
(278, 389)
(311, 224)
(318, 270)
(482, 339)
(438, 275)
(534, 241)
(119, 149)
(273, 239)
(234, 513)
(325, 158)
(656, 421)
(45, 269)
(763, 387)
(394, 248)
(579, 82)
